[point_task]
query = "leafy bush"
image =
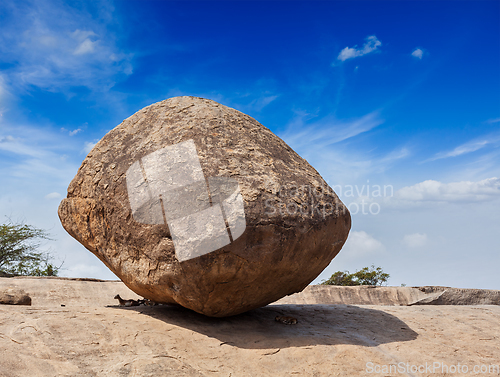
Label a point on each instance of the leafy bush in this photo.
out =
(18, 251)
(365, 276)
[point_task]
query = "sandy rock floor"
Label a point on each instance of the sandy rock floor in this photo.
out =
(329, 340)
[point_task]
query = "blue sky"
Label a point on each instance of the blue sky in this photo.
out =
(400, 94)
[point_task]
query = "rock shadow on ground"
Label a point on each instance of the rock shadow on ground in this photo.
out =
(317, 325)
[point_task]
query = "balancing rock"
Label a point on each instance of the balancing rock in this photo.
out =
(191, 202)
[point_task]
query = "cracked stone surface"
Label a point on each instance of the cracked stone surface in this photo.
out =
(295, 223)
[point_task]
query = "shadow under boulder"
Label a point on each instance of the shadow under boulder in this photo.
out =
(317, 325)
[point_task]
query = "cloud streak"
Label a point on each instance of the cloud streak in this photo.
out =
(415, 240)
(418, 53)
(87, 147)
(371, 45)
(34, 154)
(464, 191)
(53, 46)
(361, 243)
(469, 147)
(36, 167)
(329, 130)
(492, 121)
(73, 132)
(335, 148)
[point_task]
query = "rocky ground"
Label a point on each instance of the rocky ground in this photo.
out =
(91, 336)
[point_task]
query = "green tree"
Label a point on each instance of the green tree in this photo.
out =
(343, 278)
(18, 251)
(366, 276)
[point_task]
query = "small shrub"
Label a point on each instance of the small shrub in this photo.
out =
(366, 276)
(18, 251)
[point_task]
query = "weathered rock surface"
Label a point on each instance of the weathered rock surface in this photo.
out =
(399, 296)
(54, 291)
(286, 223)
(457, 296)
(57, 291)
(14, 296)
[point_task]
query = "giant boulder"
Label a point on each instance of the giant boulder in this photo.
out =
(191, 202)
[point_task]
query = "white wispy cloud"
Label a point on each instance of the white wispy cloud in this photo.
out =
(262, 102)
(54, 46)
(396, 154)
(36, 155)
(87, 147)
(73, 132)
(361, 243)
(3, 90)
(468, 147)
(18, 146)
(37, 164)
(371, 45)
(491, 121)
(331, 146)
(52, 195)
(256, 104)
(86, 45)
(464, 191)
(328, 130)
(417, 53)
(415, 240)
